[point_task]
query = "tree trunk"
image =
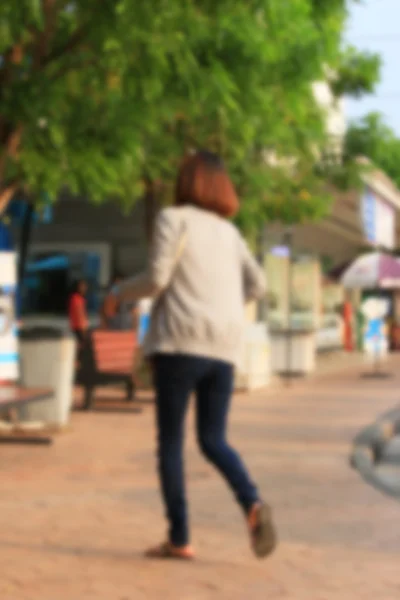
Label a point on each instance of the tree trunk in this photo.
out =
(26, 234)
(10, 139)
(151, 201)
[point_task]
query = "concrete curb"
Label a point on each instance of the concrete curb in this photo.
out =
(369, 446)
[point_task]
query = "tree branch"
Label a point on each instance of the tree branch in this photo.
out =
(14, 140)
(6, 69)
(10, 146)
(74, 42)
(73, 67)
(6, 196)
(50, 12)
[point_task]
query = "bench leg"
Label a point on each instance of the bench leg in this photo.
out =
(88, 399)
(130, 390)
(13, 417)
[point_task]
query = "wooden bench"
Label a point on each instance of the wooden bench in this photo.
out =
(12, 397)
(106, 358)
(394, 338)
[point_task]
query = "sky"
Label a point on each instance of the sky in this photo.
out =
(374, 25)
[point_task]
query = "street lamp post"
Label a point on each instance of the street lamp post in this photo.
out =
(262, 251)
(288, 241)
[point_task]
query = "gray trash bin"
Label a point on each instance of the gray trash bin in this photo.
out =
(48, 360)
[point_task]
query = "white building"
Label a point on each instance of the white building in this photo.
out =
(334, 110)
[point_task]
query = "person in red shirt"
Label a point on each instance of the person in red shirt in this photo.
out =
(348, 326)
(77, 315)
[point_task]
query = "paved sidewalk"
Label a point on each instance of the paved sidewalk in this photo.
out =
(75, 517)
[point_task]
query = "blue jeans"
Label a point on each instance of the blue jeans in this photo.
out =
(175, 378)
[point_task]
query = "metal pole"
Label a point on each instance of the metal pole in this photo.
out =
(262, 251)
(289, 344)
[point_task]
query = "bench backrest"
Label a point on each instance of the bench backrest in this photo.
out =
(14, 395)
(114, 351)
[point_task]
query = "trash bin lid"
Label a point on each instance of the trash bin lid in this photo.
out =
(42, 333)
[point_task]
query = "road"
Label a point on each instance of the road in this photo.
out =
(75, 517)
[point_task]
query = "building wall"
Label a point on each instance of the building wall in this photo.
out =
(334, 111)
(340, 235)
(77, 224)
(121, 241)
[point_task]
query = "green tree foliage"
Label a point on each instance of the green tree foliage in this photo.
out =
(356, 74)
(105, 97)
(371, 137)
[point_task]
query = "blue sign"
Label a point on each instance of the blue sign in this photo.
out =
(17, 208)
(5, 238)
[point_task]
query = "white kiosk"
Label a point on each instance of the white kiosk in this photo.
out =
(9, 359)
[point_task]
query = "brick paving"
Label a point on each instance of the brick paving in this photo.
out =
(75, 517)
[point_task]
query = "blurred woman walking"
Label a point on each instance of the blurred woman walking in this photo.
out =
(201, 273)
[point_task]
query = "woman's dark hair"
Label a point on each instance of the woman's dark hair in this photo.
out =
(204, 182)
(75, 287)
(117, 276)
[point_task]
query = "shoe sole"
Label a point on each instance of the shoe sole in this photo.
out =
(165, 552)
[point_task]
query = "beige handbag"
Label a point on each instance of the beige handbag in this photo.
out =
(179, 252)
(180, 248)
